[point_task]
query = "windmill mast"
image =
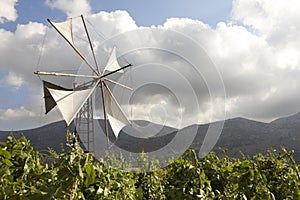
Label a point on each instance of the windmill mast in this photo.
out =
(104, 114)
(85, 126)
(101, 83)
(85, 116)
(91, 46)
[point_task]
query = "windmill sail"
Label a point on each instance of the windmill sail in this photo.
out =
(70, 102)
(65, 30)
(49, 101)
(116, 117)
(112, 64)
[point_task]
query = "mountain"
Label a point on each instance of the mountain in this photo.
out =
(52, 135)
(252, 137)
(238, 135)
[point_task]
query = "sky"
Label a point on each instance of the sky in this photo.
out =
(254, 46)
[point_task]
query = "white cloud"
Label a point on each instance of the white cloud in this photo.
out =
(268, 17)
(13, 79)
(30, 31)
(29, 115)
(20, 118)
(277, 23)
(257, 53)
(8, 11)
(20, 51)
(71, 7)
(16, 114)
(115, 22)
(253, 61)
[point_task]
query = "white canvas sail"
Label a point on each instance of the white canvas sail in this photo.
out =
(49, 101)
(112, 63)
(70, 102)
(65, 28)
(116, 117)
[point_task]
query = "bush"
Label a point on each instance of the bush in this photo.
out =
(75, 175)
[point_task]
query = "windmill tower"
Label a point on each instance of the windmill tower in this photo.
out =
(85, 126)
(77, 102)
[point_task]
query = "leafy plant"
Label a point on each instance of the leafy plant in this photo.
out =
(76, 175)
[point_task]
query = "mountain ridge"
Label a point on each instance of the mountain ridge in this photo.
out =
(238, 134)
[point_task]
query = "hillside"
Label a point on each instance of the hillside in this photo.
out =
(52, 135)
(252, 137)
(239, 134)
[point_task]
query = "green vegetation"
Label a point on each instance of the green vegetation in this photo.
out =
(74, 175)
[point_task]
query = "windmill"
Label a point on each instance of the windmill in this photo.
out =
(76, 102)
